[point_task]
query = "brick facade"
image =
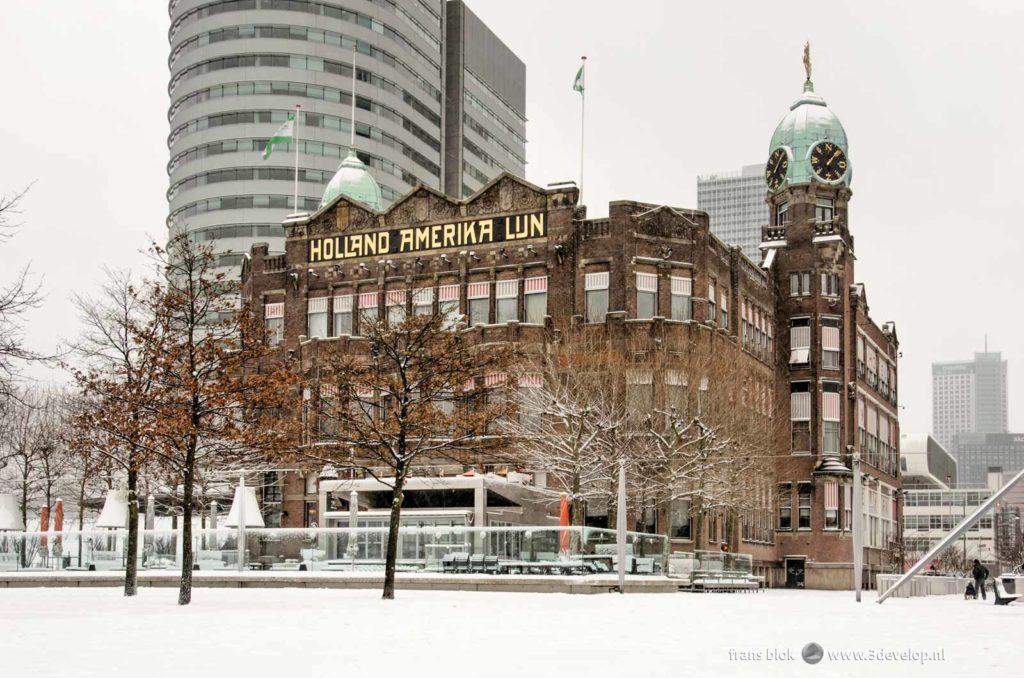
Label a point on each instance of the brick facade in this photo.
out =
(657, 247)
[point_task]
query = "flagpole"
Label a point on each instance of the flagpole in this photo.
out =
(295, 142)
(583, 108)
(352, 115)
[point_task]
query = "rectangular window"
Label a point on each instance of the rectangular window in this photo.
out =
(506, 295)
(530, 405)
(803, 507)
(682, 521)
(799, 341)
(596, 290)
(824, 210)
(394, 300)
(830, 284)
(831, 404)
(725, 310)
(785, 507)
(535, 292)
(800, 416)
(368, 311)
(478, 298)
(800, 284)
(640, 390)
(646, 295)
(830, 343)
(712, 308)
(273, 317)
(782, 214)
(316, 317)
(423, 301)
(342, 315)
(682, 293)
(675, 391)
(831, 504)
(448, 305)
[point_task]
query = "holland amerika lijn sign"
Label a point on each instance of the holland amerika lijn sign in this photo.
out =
(476, 232)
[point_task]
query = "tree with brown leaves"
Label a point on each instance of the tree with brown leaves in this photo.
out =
(406, 393)
(219, 393)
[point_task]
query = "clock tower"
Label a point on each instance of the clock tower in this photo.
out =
(821, 314)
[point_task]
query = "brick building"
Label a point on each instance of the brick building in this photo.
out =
(520, 263)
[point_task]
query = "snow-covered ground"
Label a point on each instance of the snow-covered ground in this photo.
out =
(307, 632)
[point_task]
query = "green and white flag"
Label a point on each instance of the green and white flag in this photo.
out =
(577, 84)
(284, 134)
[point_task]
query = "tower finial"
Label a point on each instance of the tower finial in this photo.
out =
(808, 85)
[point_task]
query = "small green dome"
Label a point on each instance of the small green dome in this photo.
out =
(809, 122)
(354, 181)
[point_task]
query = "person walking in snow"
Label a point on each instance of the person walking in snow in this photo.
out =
(980, 574)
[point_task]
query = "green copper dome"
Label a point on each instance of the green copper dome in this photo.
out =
(808, 123)
(352, 180)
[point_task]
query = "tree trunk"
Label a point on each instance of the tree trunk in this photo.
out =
(131, 574)
(185, 589)
(391, 557)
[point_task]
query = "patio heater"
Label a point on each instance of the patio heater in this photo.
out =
(244, 512)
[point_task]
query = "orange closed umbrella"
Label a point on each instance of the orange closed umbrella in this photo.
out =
(44, 524)
(563, 521)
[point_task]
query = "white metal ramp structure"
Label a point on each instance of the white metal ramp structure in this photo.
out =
(952, 536)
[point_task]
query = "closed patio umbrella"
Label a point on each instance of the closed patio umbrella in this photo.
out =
(563, 521)
(44, 524)
(58, 525)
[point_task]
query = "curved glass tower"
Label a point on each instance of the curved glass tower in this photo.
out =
(239, 67)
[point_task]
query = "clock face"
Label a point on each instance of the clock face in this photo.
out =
(828, 161)
(775, 170)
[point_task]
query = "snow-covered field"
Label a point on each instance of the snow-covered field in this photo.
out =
(302, 632)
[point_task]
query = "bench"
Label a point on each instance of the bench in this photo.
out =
(1000, 594)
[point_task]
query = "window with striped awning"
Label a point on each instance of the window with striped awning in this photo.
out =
(535, 285)
(368, 299)
(343, 304)
(831, 405)
(799, 401)
(682, 286)
(831, 494)
(830, 338)
(531, 380)
(448, 293)
(424, 296)
(495, 379)
(478, 290)
(275, 310)
(799, 342)
(317, 305)
(506, 289)
(596, 281)
(394, 298)
(646, 282)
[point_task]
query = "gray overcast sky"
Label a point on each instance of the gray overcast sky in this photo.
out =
(929, 92)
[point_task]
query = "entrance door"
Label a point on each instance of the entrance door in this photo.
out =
(794, 573)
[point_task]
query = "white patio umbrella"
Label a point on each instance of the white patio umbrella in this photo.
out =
(253, 516)
(115, 510)
(10, 513)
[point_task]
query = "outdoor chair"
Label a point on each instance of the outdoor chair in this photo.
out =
(491, 564)
(645, 565)
(476, 563)
(448, 563)
(461, 562)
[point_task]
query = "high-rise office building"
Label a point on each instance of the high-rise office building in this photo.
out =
(735, 205)
(239, 67)
(969, 396)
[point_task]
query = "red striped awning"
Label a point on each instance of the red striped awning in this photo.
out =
(831, 494)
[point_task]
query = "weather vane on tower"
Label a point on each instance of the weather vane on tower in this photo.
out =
(808, 85)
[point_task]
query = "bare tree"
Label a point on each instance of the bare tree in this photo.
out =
(115, 374)
(17, 297)
(408, 393)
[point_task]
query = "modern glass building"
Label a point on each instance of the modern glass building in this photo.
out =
(969, 396)
(735, 204)
(239, 67)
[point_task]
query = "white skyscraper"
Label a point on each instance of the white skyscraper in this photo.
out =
(735, 204)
